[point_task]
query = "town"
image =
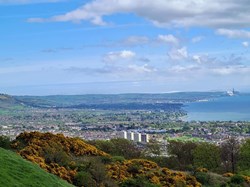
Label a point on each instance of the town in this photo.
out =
(139, 125)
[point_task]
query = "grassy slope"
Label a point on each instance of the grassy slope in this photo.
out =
(9, 103)
(15, 171)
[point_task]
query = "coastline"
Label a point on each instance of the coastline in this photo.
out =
(230, 108)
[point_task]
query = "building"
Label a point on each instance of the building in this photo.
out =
(133, 136)
(130, 136)
(122, 134)
(137, 137)
(145, 138)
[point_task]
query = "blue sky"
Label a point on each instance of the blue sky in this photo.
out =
(123, 46)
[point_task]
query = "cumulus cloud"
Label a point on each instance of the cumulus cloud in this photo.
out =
(233, 33)
(168, 39)
(143, 40)
(212, 61)
(119, 55)
(206, 13)
(197, 58)
(178, 54)
(206, 60)
(245, 44)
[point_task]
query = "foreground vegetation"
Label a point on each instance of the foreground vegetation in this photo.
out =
(120, 162)
(83, 164)
(15, 171)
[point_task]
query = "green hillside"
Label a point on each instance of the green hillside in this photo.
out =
(8, 102)
(17, 172)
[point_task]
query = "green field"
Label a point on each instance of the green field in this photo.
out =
(185, 139)
(17, 172)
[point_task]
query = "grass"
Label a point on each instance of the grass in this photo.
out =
(17, 172)
(185, 139)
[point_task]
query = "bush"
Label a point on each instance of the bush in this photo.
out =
(106, 160)
(237, 179)
(118, 158)
(53, 155)
(97, 170)
(202, 177)
(84, 179)
(137, 182)
(134, 169)
(224, 185)
(245, 172)
(203, 170)
(211, 179)
(5, 142)
(228, 174)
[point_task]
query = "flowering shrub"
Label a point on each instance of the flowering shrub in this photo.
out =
(52, 152)
(150, 170)
(203, 170)
(247, 179)
(228, 175)
(58, 154)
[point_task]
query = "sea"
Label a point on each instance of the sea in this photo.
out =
(228, 108)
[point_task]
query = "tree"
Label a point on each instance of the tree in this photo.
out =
(126, 148)
(207, 155)
(153, 148)
(181, 154)
(99, 173)
(104, 145)
(244, 162)
(118, 147)
(230, 154)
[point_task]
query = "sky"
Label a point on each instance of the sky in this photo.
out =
(50, 47)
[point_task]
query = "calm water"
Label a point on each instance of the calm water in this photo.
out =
(235, 108)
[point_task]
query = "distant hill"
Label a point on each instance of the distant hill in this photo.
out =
(9, 102)
(15, 171)
(171, 102)
(165, 101)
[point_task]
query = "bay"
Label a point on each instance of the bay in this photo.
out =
(228, 108)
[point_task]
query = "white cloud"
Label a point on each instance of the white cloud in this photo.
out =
(197, 58)
(233, 33)
(141, 69)
(136, 40)
(232, 70)
(119, 55)
(206, 13)
(168, 39)
(197, 39)
(184, 69)
(178, 54)
(206, 60)
(224, 71)
(245, 44)
(125, 70)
